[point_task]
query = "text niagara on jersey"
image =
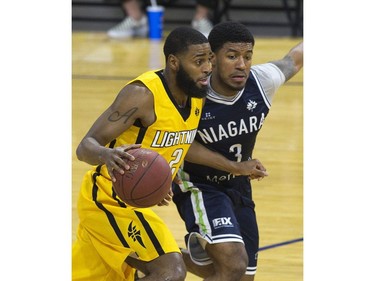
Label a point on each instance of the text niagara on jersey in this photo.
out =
(230, 126)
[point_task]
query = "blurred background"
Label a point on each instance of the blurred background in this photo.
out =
(266, 17)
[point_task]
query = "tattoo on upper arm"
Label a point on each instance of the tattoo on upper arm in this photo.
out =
(286, 65)
(116, 116)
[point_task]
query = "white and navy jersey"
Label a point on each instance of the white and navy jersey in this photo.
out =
(229, 125)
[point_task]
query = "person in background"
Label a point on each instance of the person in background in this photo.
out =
(136, 22)
(214, 198)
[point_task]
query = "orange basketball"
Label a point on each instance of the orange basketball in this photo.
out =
(148, 180)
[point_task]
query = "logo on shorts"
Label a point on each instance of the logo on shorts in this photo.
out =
(222, 222)
(135, 234)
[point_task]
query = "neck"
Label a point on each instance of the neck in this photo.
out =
(221, 89)
(181, 101)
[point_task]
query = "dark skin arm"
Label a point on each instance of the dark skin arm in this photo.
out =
(292, 62)
(133, 102)
(199, 154)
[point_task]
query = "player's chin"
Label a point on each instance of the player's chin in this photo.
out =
(200, 92)
(238, 85)
(202, 87)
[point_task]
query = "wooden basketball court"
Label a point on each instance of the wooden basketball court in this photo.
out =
(101, 67)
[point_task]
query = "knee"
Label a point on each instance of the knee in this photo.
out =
(236, 268)
(167, 267)
(231, 262)
(177, 273)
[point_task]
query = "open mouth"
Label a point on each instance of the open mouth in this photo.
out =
(203, 81)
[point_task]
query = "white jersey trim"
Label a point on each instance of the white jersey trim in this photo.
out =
(264, 95)
(215, 97)
(269, 79)
(251, 270)
(223, 238)
(197, 243)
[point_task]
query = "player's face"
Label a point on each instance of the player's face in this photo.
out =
(194, 69)
(232, 67)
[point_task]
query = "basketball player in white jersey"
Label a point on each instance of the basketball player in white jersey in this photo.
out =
(215, 196)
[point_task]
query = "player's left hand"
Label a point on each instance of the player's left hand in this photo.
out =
(258, 172)
(253, 168)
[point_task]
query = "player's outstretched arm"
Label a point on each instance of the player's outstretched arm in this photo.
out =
(199, 154)
(292, 62)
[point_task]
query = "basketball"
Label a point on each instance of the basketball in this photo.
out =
(148, 180)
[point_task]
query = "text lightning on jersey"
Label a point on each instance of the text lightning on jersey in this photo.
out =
(167, 139)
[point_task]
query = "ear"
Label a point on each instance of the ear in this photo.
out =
(213, 60)
(173, 62)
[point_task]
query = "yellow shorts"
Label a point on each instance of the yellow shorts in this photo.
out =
(109, 231)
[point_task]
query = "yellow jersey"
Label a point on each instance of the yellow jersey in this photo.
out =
(174, 129)
(109, 230)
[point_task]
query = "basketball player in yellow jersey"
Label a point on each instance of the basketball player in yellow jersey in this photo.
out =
(159, 110)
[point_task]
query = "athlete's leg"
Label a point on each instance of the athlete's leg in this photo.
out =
(166, 267)
(229, 261)
(219, 228)
(203, 271)
(249, 231)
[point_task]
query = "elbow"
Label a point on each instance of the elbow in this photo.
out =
(299, 64)
(79, 152)
(187, 158)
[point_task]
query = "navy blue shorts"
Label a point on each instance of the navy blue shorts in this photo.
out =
(219, 214)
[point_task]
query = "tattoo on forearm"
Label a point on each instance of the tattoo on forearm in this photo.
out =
(116, 116)
(289, 69)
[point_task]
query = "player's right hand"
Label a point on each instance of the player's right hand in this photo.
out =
(115, 159)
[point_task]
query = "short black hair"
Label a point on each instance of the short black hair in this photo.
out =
(180, 39)
(230, 31)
